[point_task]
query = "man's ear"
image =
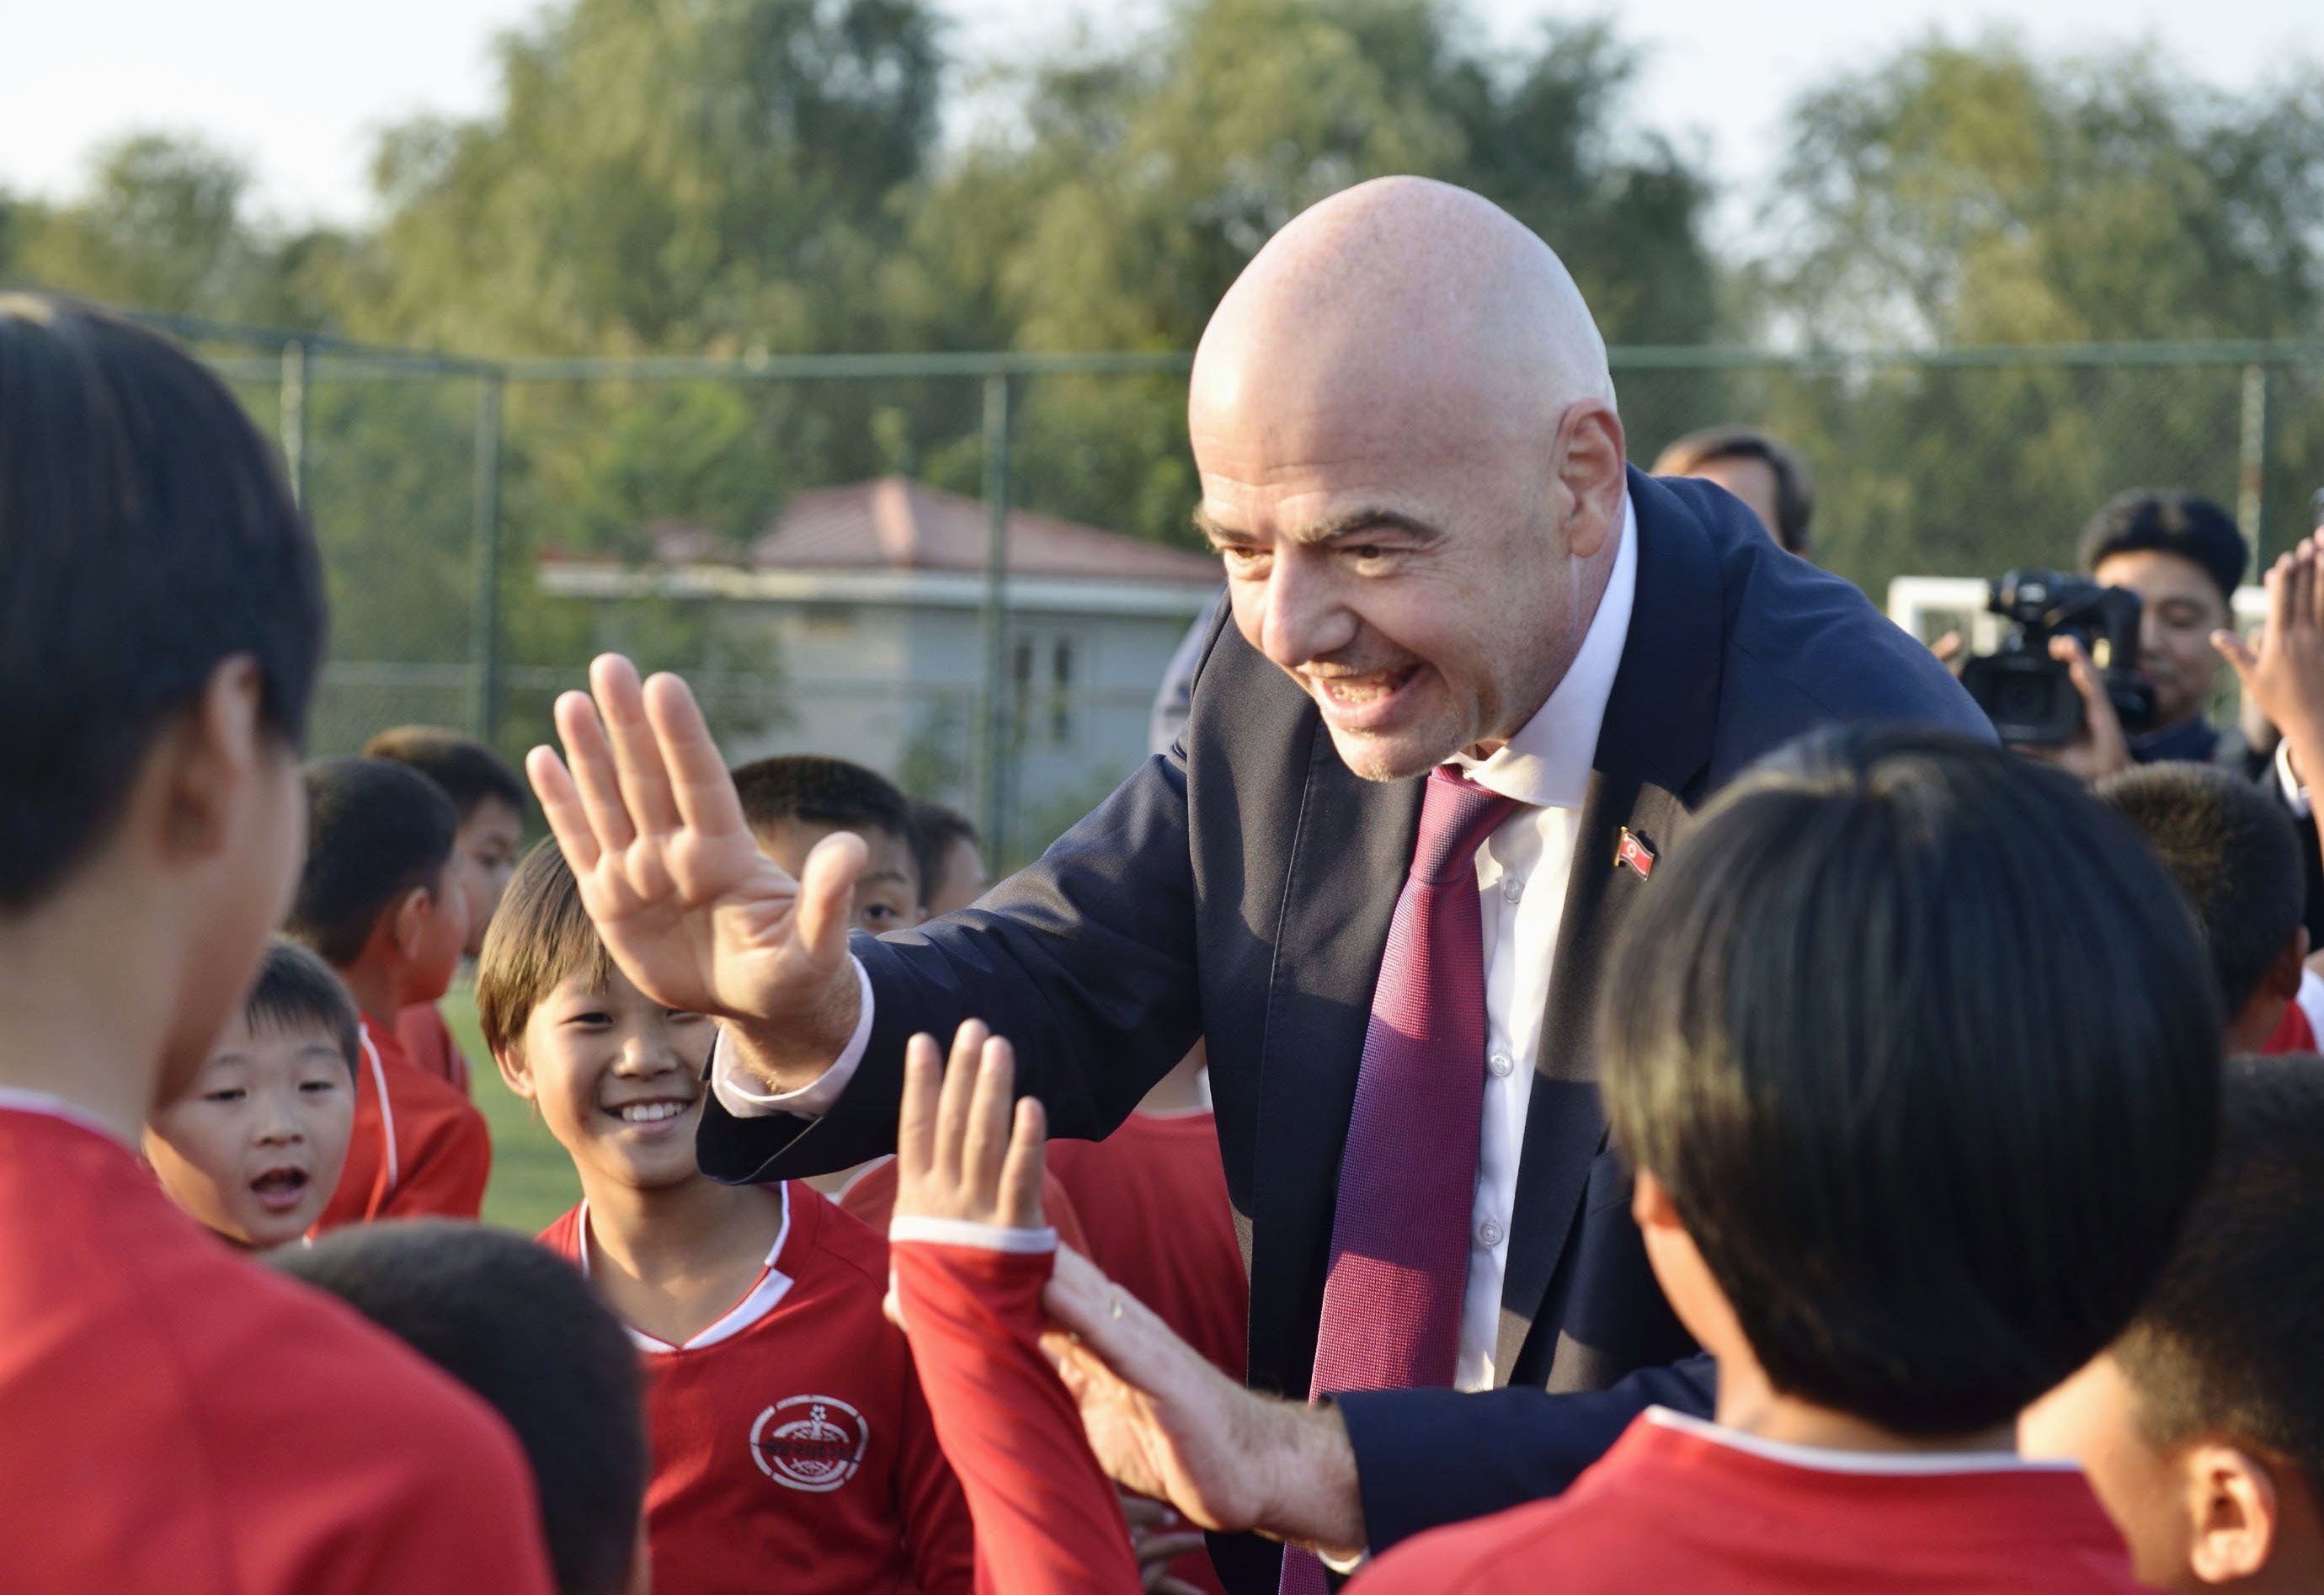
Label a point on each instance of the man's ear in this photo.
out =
(2234, 1506)
(1589, 461)
(210, 760)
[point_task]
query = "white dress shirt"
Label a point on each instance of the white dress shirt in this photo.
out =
(1522, 870)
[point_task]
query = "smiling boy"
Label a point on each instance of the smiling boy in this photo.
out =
(253, 1149)
(791, 1447)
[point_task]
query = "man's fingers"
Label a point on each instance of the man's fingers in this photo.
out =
(2278, 582)
(952, 1104)
(826, 906)
(561, 804)
(637, 761)
(986, 1142)
(590, 762)
(2300, 602)
(916, 1126)
(699, 783)
(1020, 1172)
(2232, 648)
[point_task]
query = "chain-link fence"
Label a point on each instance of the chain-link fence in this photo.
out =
(810, 540)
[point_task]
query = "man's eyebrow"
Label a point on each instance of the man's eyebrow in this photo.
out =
(1356, 522)
(1213, 531)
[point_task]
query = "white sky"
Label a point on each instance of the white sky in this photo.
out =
(300, 87)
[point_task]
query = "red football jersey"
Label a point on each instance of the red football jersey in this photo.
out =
(2293, 1033)
(1153, 1199)
(871, 1198)
(1048, 1522)
(792, 1449)
(179, 1418)
(418, 1149)
(1680, 1504)
(427, 1042)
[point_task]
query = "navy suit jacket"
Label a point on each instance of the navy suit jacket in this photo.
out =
(1240, 888)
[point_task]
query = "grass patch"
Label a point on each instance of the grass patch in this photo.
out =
(532, 1180)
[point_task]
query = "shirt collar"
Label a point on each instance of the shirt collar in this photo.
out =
(1547, 763)
(16, 1098)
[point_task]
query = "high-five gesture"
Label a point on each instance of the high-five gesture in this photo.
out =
(686, 904)
(2284, 676)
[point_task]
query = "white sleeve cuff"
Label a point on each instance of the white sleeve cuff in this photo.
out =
(2294, 793)
(739, 1096)
(965, 1232)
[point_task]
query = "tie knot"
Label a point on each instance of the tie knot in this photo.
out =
(1456, 815)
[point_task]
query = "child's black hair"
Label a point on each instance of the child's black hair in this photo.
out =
(822, 791)
(468, 771)
(2232, 849)
(1924, 1047)
(518, 1325)
(374, 830)
(296, 989)
(146, 537)
(2227, 1342)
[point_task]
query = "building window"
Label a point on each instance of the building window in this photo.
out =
(1042, 667)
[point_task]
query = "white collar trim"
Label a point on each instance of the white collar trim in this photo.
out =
(1919, 1464)
(15, 1099)
(773, 1285)
(1547, 763)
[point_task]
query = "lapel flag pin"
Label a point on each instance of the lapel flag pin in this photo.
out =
(1632, 850)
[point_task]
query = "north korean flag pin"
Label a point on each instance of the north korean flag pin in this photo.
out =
(1632, 852)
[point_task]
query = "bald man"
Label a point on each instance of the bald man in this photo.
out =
(1479, 675)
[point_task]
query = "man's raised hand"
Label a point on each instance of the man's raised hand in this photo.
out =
(2284, 676)
(647, 816)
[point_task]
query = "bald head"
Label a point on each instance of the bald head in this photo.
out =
(1398, 300)
(1410, 460)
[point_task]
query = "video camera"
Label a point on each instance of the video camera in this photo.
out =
(2028, 695)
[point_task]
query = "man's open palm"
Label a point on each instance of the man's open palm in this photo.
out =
(647, 815)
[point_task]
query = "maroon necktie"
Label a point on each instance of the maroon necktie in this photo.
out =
(1399, 1260)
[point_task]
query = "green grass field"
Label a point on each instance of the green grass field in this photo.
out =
(532, 1179)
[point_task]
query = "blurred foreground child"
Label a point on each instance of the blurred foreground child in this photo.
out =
(177, 1418)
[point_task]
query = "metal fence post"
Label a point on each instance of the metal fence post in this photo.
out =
(294, 420)
(993, 692)
(485, 647)
(2251, 474)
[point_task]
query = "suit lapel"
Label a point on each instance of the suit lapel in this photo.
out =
(1653, 746)
(1351, 848)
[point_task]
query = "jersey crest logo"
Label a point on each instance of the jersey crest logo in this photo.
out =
(810, 1442)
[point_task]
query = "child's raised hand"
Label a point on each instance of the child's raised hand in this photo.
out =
(686, 904)
(961, 1152)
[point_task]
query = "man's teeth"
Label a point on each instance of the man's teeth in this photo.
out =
(1358, 689)
(650, 1112)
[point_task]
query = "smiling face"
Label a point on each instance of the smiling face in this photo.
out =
(1411, 467)
(253, 1149)
(617, 1078)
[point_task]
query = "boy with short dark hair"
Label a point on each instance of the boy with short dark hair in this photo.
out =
(489, 799)
(792, 802)
(791, 1445)
(2202, 1427)
(379, 900)
(178, 1418)
(952, 865)
(2232, 851)
(252, 1149)
(522, 1330)
(1915, 1054)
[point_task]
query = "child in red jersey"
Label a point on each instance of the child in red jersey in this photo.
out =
(2202, 1427)
(792, 1449)
(177, 1418)
(252, 1151)
(489, 797)
(1916, 1055)
(379, 899)
(2235, 857)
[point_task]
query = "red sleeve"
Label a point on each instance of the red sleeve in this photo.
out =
(1047, 1521)
(937, 1530)
(448, 1163)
